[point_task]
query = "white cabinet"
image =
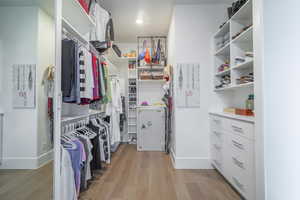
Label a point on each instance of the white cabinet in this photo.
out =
(151, 129)
(232, 152)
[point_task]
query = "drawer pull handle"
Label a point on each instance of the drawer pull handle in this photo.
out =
(238, 145)
(241, 186)
(237, 129)
(238, 163)
(217, 147)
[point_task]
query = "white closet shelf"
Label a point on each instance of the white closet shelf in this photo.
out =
(131, 124)
(233, 87)
(245, 37)
(73, 12)
(224, 30)
(132, 117)
(70, 118)
(152, 81)
(224, 50)
(244, 65)
(234, 116)
(227, 71)
(244, 13)
(151, 68)
(73, 31)
(114, 58)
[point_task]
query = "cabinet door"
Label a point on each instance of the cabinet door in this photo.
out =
(151, 130)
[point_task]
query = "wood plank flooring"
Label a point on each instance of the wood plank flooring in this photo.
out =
(150, 176)
(26, 184)
(131, 176)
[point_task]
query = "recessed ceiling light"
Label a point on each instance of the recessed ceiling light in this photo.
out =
(139, 21)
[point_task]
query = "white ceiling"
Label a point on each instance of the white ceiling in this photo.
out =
(156, 15)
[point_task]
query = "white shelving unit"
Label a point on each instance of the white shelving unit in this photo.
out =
(132, 100)
(78, 23)
(232, 135)
(73, 12)
(236, 47)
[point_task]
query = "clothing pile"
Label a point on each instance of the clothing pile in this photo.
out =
(223, 82)
(82, 154)
(84, 76)
(245, 79)
(241, 31)
(224, 67)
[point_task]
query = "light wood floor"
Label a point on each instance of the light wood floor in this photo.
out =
(149, 176)
(26, 184)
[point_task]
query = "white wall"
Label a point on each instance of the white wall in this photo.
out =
(281, 98)
(194, 27)
(258, 35)
(46, 57)
(1, 64)
(21, 136)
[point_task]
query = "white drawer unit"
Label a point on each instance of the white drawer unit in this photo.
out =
(217, 123)
(232, 152)
(241, 128)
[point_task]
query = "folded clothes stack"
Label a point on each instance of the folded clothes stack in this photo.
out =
(223, 82)
(248, 55)
(223, 67)
(242, 31)
(235, 7)
(245, 79)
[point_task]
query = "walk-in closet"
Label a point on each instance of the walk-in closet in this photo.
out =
(154, 100)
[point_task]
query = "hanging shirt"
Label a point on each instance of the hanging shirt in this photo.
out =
(88, 175)
(90, 85)
(67, 177)
(82, 74)
(71, 70)
(101, 18)
(68, 64)
(77, 158)
(96, 95)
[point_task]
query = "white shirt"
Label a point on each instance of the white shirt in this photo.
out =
(101, 18)
(89, 77)
(68, 190)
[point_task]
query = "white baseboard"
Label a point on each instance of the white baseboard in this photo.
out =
(26, 162)
(193, 163)
(190, 162)
(45, 158)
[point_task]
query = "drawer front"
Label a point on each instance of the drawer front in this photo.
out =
(217, 137)
(241, 128)
(217, 158)
(241, 182)
(217, 123)
(242, 164)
